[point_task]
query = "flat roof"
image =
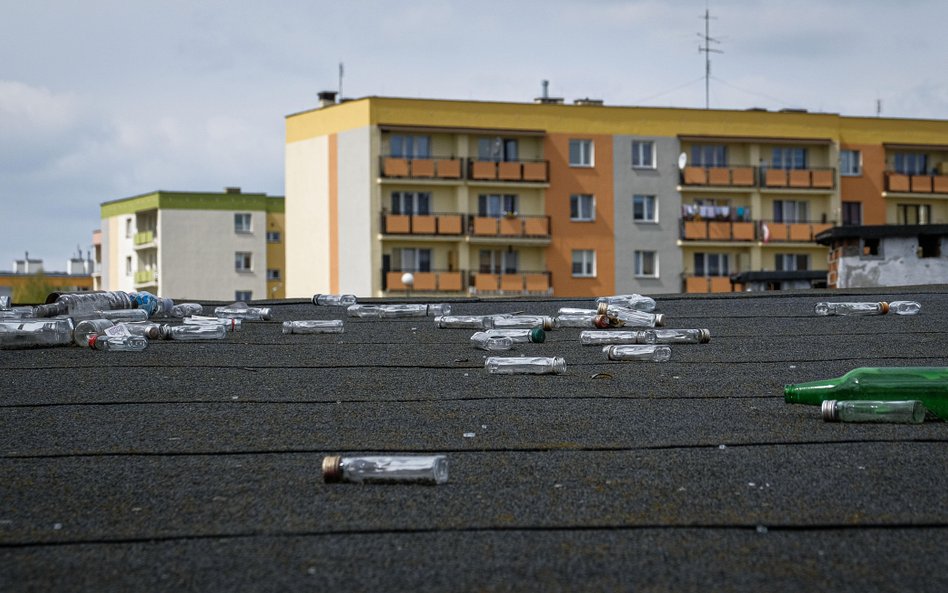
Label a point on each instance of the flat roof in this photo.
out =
(879, 231)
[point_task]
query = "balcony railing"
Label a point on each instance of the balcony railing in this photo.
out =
(819, 179)
(509, 226)
(145, 277)
(455, 224)
(923, 184)
(737, 176)
(746, 176)
(144, 238)
(769, 231)
(746, 231)
(423, 224)
(431, 281)
(511, 283)
(453, 168)
(709, 284)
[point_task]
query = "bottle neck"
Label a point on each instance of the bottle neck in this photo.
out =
(808, 393)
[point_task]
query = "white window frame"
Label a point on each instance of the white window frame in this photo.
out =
(243, 222)
(590, 207)
(243, 261)
(273, 274)
(790, 262)
(274, 236)
(413, 259)
(850, 163)
(586, 155)
(639, 259)
(586, 258)
(643, 154)
(646, 198)
(243, 295)
(723, 264)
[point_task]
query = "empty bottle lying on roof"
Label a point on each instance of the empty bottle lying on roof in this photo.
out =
(231, 324)
(118, 343)
(417, 469)
(523, 322)
(241, 310)
(905, 307)
(17, 313)
(678, 336)
(464, 321)
(334, 300)
(114, 315)
(485, 341)
(88, 328)
(535, 335)
(643, 352)
(4, 303)
(602, 338)
(629, 301)
(186, 309)
(313, 326)
(620, 316)
(146, 329)
(590, 319)
(190, 333)
(927, 384)
(35, 333)
(398, 311)
(84, 302)
(525, 365)
(896, 412)
(852, 308)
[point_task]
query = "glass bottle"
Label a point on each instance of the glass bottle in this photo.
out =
(575, 320)
(620, 316)
(84, 302)
(4, 303)
(232, 324)
(190, 333)
(525, 365)
(398, 311)
(899, 412)
(24, 312)
(601, 338)
(644, 352)
(114, 315)
(523, 322)
(240, 310)
(464, 321)
(417, 469)
(927, 384)
(678, 336)
(334, 300)
(905, 307)
(535, 335)
(630, 301)
(485, 341)
(146, 329)
(851, 308)
(36, 333)
(313, 326)
(88, 328)
(118, 343)
(185, 309)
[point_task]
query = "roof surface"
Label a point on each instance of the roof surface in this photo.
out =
(196, 466)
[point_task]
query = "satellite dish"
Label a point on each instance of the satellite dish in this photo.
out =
(682, 161)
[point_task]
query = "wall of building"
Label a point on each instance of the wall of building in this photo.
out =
(276, 254)
(866, 188)
(898, 265)
(358, 220)
(307, 217)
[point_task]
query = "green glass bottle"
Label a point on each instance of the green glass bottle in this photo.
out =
(927, 384)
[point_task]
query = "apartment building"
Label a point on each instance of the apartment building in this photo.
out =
(29, 273)
(584, 199)
(216, 246)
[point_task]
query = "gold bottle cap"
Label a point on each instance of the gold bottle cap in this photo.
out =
(704, 336)
(885, 307)
(332, 468)
(602, 308)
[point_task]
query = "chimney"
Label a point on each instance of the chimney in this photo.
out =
(588, 101)
(545, 98)
(326, 98)
(232, 190)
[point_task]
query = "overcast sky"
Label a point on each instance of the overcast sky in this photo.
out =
(105, 99)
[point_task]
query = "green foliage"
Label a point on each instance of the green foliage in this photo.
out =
(34, 290)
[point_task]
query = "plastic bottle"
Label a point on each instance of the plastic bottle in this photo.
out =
(185, 309)
(485, 341)
(852, 308)
(464, 321)
(313, 326)
(602, 338)
(905, 307)
(898, 412)
(417, 469)
(88, 328)
(84, 302)
(525, 365)
(523, 322)
(927, 384)
(190, 333)
(643, 352)
(230, 323)
(535, 335)
(575, 320)
(36, 333)
(678, 336)
(240, 310)
(334, 300)
(118, 343)
(398, 311)
(146, 301)
(629, 301)
(114, 315)
(620, 316)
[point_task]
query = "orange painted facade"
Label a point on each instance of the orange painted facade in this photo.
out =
(866, 188)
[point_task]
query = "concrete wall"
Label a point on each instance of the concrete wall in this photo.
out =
(307, 217)
(116, 247)
(898, 266)
(358, 217)
(661, 237)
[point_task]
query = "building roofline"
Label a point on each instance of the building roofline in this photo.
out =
(879, 231)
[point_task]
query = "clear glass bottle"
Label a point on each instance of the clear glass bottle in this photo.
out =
(412, 469)
(525, 365)
(464, 321)
(146, 329)
(622, 317)
(185, 309)
(602, 338)
(118, 343)
(398, 311)
(896, 412)
(485, 341)
(534, 335)
(334, 300)
(36, 333)
(240, 310)
(905, 307)
(576, 311)
(88, 328)
(630, 301)
(232, 324)
(4, 303)
(84, 302)
(643, 352)
(927, 384)
(23, 312)
(190, 333)
(575, 320)
(851, 308)
(313, 326)
(678, 336)
(114, 315)
(523, 322)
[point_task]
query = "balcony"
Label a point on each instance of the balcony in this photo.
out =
(717, 230)
(457, 169)
(790, 232)
(145, 277)
(735, 177)
(144, 238)
(430, 168)
(915, 184)
(508, 171)
(710, 284)
(431, 281)
(455, 225)
(797, 179)
(426, 224)
(511, 283)
(507, 226)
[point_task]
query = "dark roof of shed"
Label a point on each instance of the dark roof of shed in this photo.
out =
(880, 231)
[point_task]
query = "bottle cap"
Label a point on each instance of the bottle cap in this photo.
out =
(547, 323)
(92, 340)
(332, 468)
(659, 320)
(537, 335)
(704, 336)
(316, 298)
(602, 308)
(830, 414)
(885, 307)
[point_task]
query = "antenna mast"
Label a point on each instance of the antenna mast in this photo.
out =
(708, 50)
(340, 81)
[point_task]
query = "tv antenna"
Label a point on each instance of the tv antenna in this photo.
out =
(708, 50)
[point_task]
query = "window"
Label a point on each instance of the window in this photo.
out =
(852, 213)
(580, 153)
(646, 264)
(412, 259)
(712, 264)
(496, 205)
(584, 263)
(643, 154)
(498, 261)
(243, 261)
(911, 163)
(405, 146)
(790, 211)
(788, 158)
(273, 274)
(243, 295)
(242, 222)
(709, 155)
(791, 262)
(128, 266)
(850, 163)
(411, 202)
(582, 207)
(871, 247)
(273, 236)
(497, 149)
(914, 213)
(929, 246)
(128, 228)
(643, 209)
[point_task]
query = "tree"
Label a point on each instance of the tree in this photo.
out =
(33, 290)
